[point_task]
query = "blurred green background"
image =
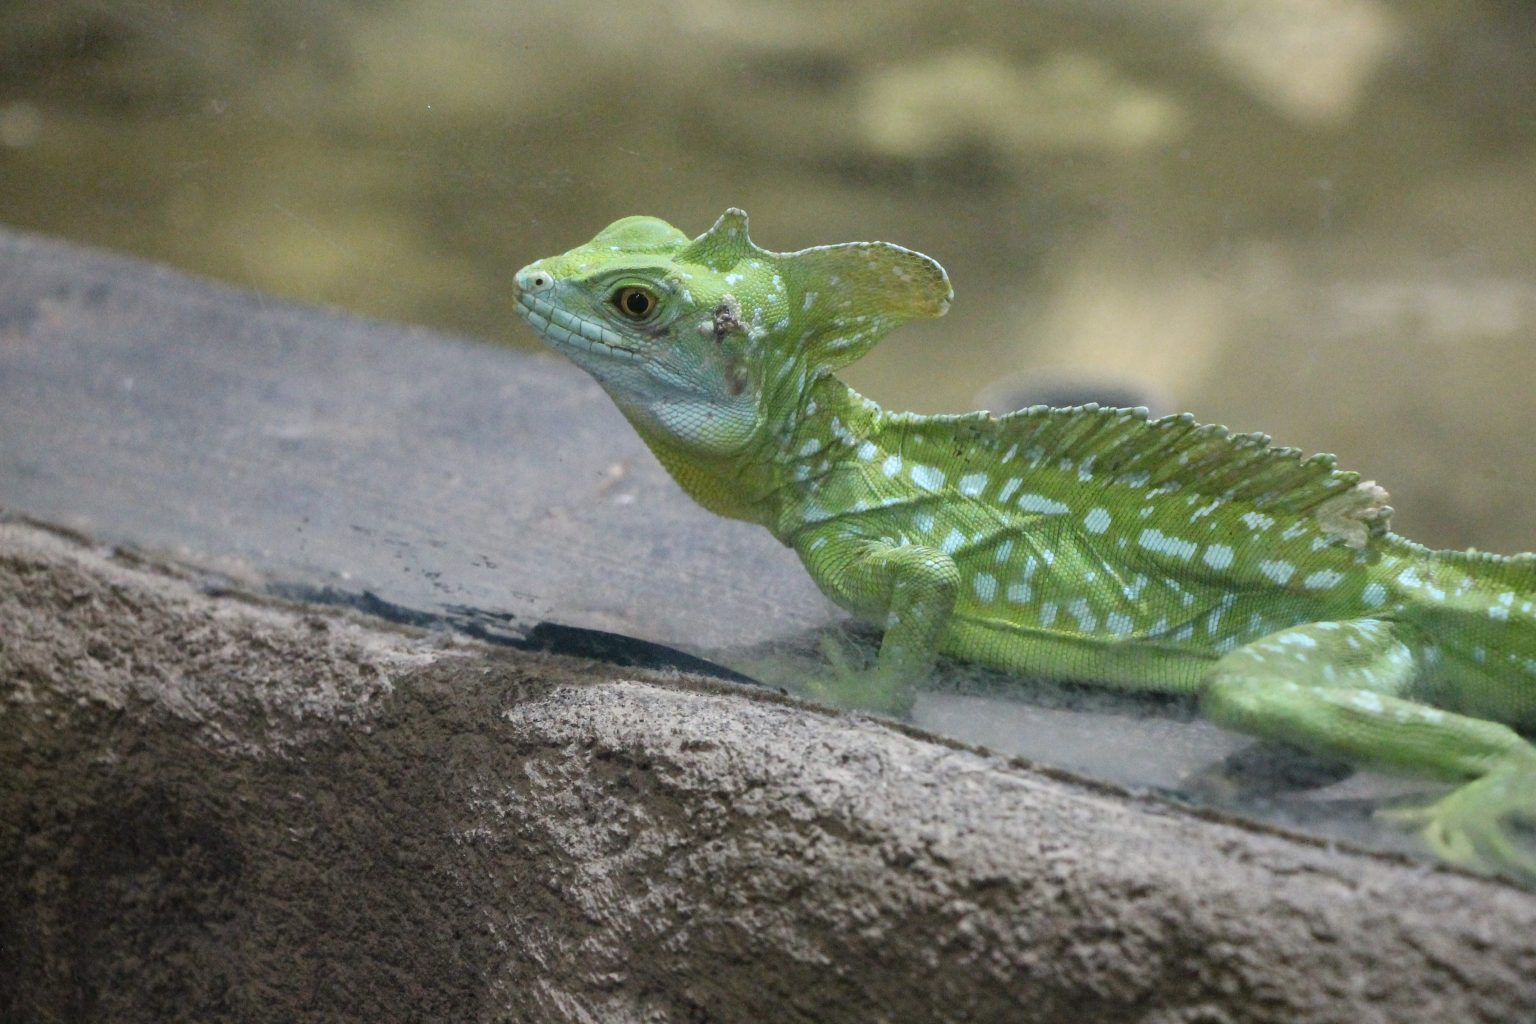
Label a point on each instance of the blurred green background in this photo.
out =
(1311, 217)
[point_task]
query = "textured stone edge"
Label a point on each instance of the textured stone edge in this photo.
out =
(220, 806)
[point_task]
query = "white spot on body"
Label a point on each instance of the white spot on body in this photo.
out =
(1009, 486)
(1030, 502)
(868, 451)
(952, 542)
(1205, 510)
(1218, 556)
(971, 484)
(985, 585)
(927, 477)
(1374, 595)
(1097, 520)
(1280, 572)
(1021, 593)
(892, 465)
(1000, 556)
(1159, 542)
(1257, 521)
(1119, 623)
(1323, 579)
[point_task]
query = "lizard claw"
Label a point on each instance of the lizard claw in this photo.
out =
(1469, 826)
(848, 684)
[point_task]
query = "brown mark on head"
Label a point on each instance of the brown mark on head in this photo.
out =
(727, 317)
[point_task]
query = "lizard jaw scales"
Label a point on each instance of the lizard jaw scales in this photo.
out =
(567, 331)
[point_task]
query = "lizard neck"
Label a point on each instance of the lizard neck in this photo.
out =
(783, 479)
(819, 445)
(728, 485)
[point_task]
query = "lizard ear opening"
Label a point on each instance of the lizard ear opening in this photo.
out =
(858, 292)
(722, 246)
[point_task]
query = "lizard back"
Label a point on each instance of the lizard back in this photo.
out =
(1110, 526)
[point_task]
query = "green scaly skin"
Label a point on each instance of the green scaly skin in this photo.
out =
(1086, 544)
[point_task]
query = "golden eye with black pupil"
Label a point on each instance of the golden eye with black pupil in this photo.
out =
(635, 303)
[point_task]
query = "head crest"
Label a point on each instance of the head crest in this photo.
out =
(843, 298)
(722, 246)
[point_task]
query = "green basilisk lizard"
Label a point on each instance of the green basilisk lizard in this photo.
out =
(1086, 543)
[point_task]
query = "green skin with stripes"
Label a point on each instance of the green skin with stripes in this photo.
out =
(1085, 544)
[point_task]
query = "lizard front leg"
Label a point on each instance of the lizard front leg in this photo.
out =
(1343, 689)
(907, 589)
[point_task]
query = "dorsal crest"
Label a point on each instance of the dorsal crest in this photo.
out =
(1097, 447)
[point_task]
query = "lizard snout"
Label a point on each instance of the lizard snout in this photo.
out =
(532, 280)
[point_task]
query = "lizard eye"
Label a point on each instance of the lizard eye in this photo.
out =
(635, 303)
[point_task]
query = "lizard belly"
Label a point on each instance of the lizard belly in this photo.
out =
(1138, 664)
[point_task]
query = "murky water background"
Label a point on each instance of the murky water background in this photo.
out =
(1310, 217)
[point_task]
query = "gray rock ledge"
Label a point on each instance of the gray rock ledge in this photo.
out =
(217, 807)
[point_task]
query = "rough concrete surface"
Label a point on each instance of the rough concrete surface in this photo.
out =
(218, 808)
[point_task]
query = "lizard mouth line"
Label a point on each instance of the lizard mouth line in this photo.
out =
(566, 330)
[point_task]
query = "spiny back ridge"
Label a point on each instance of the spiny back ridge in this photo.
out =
(1517, 572)
(1173, 453)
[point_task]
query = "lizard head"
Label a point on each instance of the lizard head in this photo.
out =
(705, 340)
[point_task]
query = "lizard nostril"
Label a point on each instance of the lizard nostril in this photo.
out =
(533, 281)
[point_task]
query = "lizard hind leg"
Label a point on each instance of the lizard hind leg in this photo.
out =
(1344, 689)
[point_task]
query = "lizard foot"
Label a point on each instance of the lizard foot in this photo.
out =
(1469, 826)
(848, 684)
